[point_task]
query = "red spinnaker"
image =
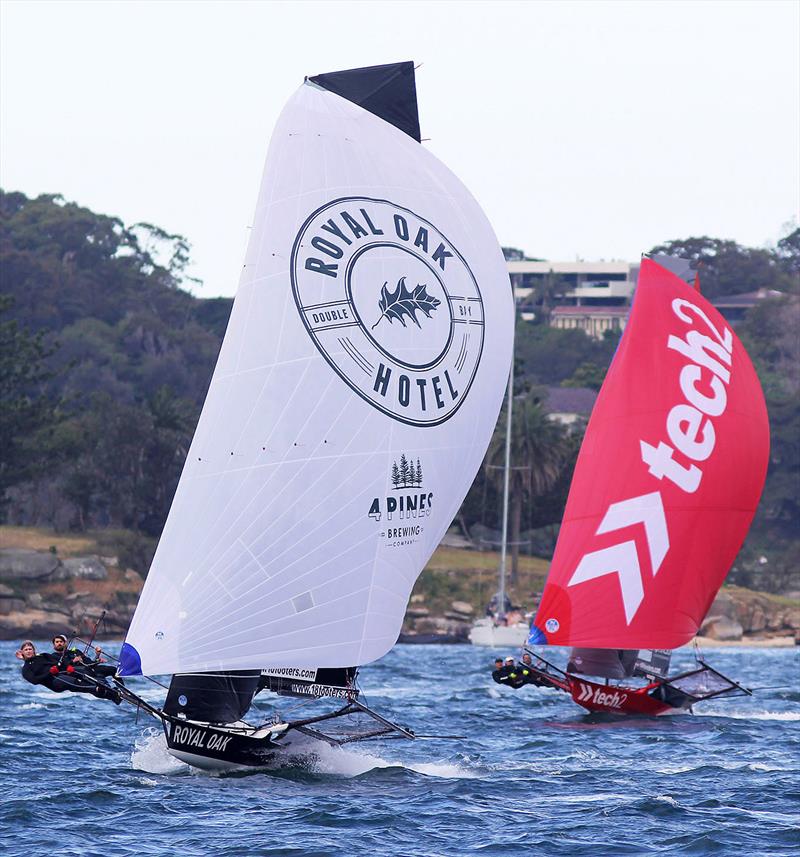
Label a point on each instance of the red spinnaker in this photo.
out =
(667, 480)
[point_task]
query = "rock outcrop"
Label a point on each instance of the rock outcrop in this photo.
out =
(42, 595)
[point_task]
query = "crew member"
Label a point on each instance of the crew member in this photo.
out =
(44, 669)
(497, 673)
(66, 656)
(513, 674)
(529, 674)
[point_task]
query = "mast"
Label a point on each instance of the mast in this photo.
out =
(501, 592)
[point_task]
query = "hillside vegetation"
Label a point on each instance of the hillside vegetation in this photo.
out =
(105, 358)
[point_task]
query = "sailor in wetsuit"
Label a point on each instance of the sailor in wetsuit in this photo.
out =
(44, 669)
(66, 656)
(505, 672)
(530, 674)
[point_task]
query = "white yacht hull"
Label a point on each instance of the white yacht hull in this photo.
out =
(485, 633)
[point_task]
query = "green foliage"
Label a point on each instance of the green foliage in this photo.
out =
(549, 355)
(728, 268)
(770, 336)
(134, 352)
(24, 408)
(588, 374)
(538, 450)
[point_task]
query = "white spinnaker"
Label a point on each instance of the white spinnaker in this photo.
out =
(269, 555)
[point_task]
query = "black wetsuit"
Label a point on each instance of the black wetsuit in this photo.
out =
(529, 675)
(508, 675)
(43, 669)
(89, 664)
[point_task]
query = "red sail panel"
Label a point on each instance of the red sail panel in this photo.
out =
(667, 480)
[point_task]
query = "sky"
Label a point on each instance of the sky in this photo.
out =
(589, 130)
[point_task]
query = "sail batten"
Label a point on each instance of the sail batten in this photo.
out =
(355, 393)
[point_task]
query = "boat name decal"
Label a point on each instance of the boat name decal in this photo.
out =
(191, 737)
(692, 434)
(392, 306)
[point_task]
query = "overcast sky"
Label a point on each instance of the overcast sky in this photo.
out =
(591, 130)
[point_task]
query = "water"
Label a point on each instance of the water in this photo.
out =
(531, 776)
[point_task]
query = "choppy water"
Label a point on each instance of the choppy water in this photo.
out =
(532, 775)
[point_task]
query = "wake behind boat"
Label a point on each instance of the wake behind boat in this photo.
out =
(354, 397)
(666, 484)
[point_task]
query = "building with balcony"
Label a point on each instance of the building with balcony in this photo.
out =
(591, 296)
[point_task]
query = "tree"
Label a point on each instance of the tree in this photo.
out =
(789, 253)
(24, 406)
(728, 268)
(538, 451)
(588, 374)
(547, 291)
(404, 472)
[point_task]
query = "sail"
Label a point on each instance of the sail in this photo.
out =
(355, 394)
(222, 697)
(666, 483)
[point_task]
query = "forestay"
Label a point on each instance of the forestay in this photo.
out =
(356, 391)
(666, 483)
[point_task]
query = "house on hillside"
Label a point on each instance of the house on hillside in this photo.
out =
(566, 405)
(734, 307)
(591, 296)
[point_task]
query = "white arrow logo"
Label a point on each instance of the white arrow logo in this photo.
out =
(586, 692)
(623, 559)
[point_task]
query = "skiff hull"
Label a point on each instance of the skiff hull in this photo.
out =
(220, 748)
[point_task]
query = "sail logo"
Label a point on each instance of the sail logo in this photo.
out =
(689, 426)
(623, 559)
(406, 474)
(691, 432)
(599, 696)
(409, 506)
(392, 306)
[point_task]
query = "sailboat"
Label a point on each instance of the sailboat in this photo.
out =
(497, 628)
(356, 391)
(665, 487)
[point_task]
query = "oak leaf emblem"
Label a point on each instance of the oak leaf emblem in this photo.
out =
(404, 303)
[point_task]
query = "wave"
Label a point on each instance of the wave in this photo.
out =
(150, 755)
(355, 763)
(751, 715)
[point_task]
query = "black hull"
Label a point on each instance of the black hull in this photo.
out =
(222, 748)
(228, 747)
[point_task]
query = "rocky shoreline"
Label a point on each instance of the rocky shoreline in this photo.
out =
(42, 594)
